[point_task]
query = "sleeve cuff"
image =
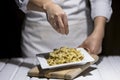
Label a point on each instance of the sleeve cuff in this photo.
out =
(101, 8)
(22, 4)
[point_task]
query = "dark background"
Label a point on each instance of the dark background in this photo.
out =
(111, 43)
(10, 29)
(12, 18)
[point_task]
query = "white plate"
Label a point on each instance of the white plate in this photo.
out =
(44, 65)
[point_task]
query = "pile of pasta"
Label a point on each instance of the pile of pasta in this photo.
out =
(64, 55)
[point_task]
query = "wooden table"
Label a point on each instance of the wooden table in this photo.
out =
(108, 68)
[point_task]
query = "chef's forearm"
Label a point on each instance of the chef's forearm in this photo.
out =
(39, 5)
(99, 27)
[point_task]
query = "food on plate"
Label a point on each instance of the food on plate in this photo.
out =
(64, 55)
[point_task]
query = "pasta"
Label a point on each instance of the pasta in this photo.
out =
(64, 55)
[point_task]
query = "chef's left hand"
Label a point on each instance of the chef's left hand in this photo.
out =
(92, 44)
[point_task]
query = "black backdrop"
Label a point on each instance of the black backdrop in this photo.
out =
(111, 43)
(10, 29)
(12, 18)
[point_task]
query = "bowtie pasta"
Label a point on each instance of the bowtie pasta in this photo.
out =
(64, 55)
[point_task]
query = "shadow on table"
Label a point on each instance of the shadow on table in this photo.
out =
(19, 62)
(87, 72)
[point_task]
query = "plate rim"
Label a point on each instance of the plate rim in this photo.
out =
(45, 65)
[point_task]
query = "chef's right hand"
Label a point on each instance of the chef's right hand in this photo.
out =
(57, 17)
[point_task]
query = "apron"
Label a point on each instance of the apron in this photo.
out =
(38, 36)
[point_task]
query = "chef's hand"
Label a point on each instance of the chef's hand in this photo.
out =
(92, 44)
(55, 14)
(57, 17)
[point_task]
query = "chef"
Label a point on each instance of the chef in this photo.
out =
(51, 24)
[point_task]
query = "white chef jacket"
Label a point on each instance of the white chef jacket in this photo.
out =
(38, 36)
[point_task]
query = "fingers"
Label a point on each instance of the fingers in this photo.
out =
(57, 18)
(65, 22)
(59, 23)
(86, 48)
(62, 23)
